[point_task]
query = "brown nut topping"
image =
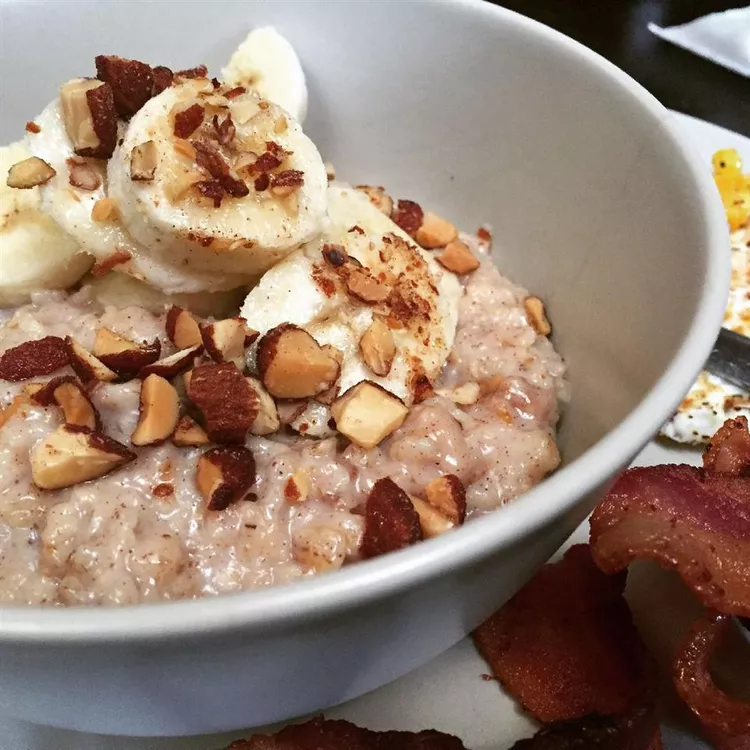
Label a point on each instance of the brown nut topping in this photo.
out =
(458, 258)
(367, 413)
(408, 215)
(104, 266)
(288, 411)
(187, 121)
(224, 341)
(433, 522)
(447, 495)
(90, 117)
(29, 173)
(378, 347)
(319, 547)
(104, 210)
(132, 82)
(378, 197)
(293, 365)
(435, 231)
(287, 182)
(364, 286)
(182, 328)
(464, 394)
(159, 412)
(267, 420)
(189, 434)
(226, 401)
(225, 475)
(82, 175)
(71, 455)
(143, 161)
(537, 316)
(67, 393)
(33, 358)
(127, 358)
(86, 365)
(297, 487)
(391, 522)
(171, 366)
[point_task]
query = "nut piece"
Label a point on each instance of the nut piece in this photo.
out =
(391, 522)
(86, 365)
(378, 347)
(67, 393)
(125, 357)
(132, 82)
(367, 413)
(33, 358)
(322, 548)
(447, 495)
(464, 394)
(71, 455)
(408, 215)
(160, 410)
(182, 328)
(458, 258)
(364, 286)
(224, 340)
(297, 487)
(433, 522)
(29, 173)
(225, 475)
(537, 316)
(267, 420)
(435, 232)
(378, 197)
(104, 210)
(289, 411)
(171, 366)
(82, 175)
(90, 118)
(143, 161)
(189, 434)
(293, 365)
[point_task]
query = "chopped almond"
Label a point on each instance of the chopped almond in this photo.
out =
(293, 365)
(104, 210)
(29, 173)
(435, 231)
(534, 308)
(364, 286)
(171, 366)
(127, 358)
(224, 340)
(82, 175)
(86, 365)
(267, 420)
(189, 434)
(159, 412)
(289, 411)
(182, 328)
(458, 258)
(71, 455)
(433, 522)
(391, 521)
(378, 347)
(447, 495)
(33, 358)
(69, 395)
(143, 161)
(297, 487)
(321, 548)
(464, 394)
(105, 265)
(13, 408)
(90, 117)
(409, 216)
(225, 475)
(367, 413)
(378, 197)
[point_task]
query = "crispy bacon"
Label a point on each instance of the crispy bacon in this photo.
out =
(729, 449)
(565, 645)
(325, 734)
(726, 720)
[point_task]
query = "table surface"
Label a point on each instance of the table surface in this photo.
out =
(618, 30)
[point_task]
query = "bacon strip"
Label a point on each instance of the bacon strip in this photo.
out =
(726, 721)
(565, 646)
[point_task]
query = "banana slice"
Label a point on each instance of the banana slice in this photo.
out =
(74, 210)
(226, 196)
(267, 64)
(34, 253)
(299, 290)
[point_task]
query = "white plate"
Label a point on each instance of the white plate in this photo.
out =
(449, 693)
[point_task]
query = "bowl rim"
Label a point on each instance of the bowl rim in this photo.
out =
(355, 586)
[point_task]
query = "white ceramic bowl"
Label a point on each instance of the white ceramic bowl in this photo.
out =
(484, 116)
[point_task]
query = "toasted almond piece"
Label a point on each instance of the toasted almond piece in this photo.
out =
(104, 210)
(293, 365)
(458, 258)
(288, 411)
(435, 231)
(267, 420)
(448, 496)
(378, 197)
(297, 487)
(29, 173)
(367, 413)
(143, 161)
(127, 358)
(537, 316)
(71, 455)
(189, 434)
(82, 175)
(378, 347)
(433, 522)
(105, 265)
(464, 394)
(90, 117)
(182, 328)
(225, 475)
(69, 395)
(364, 286)
(171, 366)
(33, 358)
(13, 408)
(328, 396)
(86, 365)
(408, 215)
(391, 521)
(160, 411)
(224, 340)
(322, 548)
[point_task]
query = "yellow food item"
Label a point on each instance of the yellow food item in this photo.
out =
(734, 187)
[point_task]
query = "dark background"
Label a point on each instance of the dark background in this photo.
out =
(617, 30)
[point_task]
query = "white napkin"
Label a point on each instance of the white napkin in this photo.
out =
(723, 38)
